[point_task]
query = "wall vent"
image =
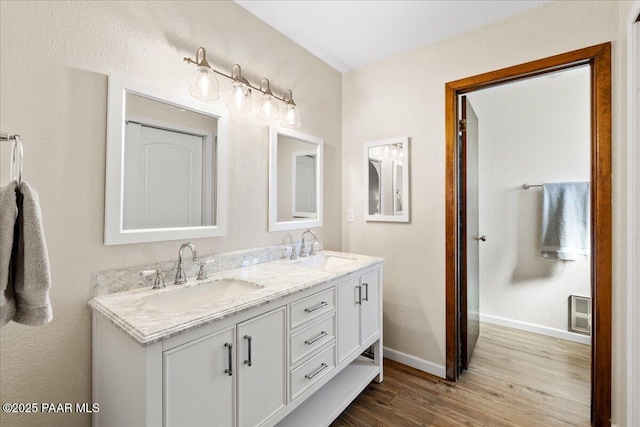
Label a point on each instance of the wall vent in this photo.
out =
(580, 314)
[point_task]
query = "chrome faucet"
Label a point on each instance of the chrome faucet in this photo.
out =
(181, 277)
(313, 245)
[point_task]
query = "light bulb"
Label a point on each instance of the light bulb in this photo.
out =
(240, 99)
(268, 108)
(205, 84)
(291, 117)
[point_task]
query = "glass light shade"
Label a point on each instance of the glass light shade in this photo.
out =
(291, 117)
(205, 85)
(240, 98)
(268, 108)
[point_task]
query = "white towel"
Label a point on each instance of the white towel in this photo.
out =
(565, 220)
(8, 215)
(32, 276)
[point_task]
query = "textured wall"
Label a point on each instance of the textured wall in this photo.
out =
(404, 96)
(533, 131)
(54, 61)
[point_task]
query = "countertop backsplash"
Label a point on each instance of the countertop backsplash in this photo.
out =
(128, 278)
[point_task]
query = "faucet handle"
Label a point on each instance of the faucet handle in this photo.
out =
(158, 282)
(314, 245)
(294, 254)
(202, 273)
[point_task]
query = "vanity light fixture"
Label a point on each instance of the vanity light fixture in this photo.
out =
(291, 117)
(267, 107)
(240, 98)
(205, 86)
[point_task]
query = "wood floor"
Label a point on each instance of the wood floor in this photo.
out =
(515, 378)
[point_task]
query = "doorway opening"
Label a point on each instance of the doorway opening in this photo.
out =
(459, 303)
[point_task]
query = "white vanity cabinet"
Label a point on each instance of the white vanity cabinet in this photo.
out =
(358, 313)
(294, 361)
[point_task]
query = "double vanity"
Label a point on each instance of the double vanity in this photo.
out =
(256, 338)
(286, 342)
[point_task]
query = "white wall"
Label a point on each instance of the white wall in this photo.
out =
(533, 131)
(54, 61)
(404, 95)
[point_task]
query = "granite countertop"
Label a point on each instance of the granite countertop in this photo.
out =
(147, 324)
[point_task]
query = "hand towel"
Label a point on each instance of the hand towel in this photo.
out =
(32, 276)
(565, 220)
(8, 215)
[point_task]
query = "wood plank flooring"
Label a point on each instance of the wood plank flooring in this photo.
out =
(516, 378)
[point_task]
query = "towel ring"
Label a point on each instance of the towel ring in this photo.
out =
(17, 159)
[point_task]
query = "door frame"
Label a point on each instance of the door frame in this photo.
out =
(633, 215)
(599, 58)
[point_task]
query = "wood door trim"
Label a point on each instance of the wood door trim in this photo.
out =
(462, 255)
(599, 58)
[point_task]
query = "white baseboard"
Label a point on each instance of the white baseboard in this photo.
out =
(530, 327)
(415, 362)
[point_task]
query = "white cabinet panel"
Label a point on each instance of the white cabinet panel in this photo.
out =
(358, 313)
(311, 338)
(312, 307)
(261, 367)
(311, 371)
(196, 389)
(348, 318)
(370, 311)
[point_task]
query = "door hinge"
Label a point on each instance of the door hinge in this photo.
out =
(462, 125)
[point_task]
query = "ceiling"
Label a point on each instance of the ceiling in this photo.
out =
(350, 34)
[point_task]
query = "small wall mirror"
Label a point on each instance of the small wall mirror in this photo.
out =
(295, 180)
(165, 177)
(386, 177)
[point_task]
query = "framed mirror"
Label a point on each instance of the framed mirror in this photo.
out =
(386, 178)
(165, 176)
(295, 180)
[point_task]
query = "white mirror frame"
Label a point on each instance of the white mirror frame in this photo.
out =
(274, 225)
(405, 180)
(114, 233)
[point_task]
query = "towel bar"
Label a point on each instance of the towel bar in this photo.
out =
(528, 186)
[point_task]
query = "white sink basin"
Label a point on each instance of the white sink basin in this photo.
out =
(200, 295)
(323, 262)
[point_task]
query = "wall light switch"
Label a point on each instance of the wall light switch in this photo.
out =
(350, 215)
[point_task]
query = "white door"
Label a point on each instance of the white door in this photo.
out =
(348, 318)
(197, 387)
(370, 313)
(304, 185)
(261, 367)
(163, 178)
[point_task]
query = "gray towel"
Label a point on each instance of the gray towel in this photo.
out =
(32, 276)
(565, 220)
(8, 214)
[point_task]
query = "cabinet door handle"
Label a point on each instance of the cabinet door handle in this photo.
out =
(314, 339)
(229, 370)
(317, 371)
(248, 338)
(317, 307)
(366, 292)
(359, 295)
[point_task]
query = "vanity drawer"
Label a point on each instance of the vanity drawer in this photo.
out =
(312, 307)
(312, 370)
(311, 338)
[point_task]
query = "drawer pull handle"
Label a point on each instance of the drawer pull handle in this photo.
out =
(359, 295)
(314, 339)
(317, 307)
(229, 370)
(366, 292)
(317, 371)
(248, 361)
